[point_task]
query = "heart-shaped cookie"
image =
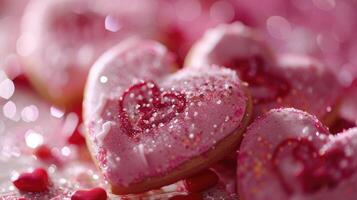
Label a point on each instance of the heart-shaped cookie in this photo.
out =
(289, 81)
(67, 38)
(148, 127)
(288, 154)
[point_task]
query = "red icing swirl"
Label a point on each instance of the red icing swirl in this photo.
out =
(144, 106)
(319, 170)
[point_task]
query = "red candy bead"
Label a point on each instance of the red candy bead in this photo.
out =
(93, 194)
(76, 138)
(201, 181)
(22, 81)
(43, 152)
(35, 181)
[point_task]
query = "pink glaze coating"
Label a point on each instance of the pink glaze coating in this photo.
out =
(61, 40)
(288, 81)
(227, 41)
(214, 105)
(270, 160)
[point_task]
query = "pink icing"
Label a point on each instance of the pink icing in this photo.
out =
(214, 106)
(288, 154)
(291, 81)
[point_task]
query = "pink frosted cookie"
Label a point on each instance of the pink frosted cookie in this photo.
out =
(61, 40)
(289, 81)
(148, 127)
(289, 154)
(230, 44)
(10, 16)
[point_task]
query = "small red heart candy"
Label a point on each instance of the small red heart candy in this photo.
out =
(35, 181)
(78, 33)
(92, 194)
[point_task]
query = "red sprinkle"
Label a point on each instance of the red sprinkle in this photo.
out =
(201, 181)
(35, 181)
(193, 196)
(76, 138)
(93, 194)
(43, 152)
